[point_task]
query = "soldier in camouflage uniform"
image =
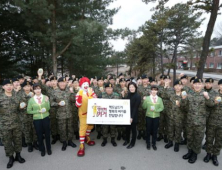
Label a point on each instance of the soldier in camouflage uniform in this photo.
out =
(27, 119)
(98, 91)
(143, 90)
(164, 114)
(63, 99)
(209, 88)
(1, 144)
(196, 118)
(214, 129)
(176, 115)
(109, 94)
(10, 124)
(122, 91)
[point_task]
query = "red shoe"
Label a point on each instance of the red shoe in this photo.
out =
(81, 151)
(89, 142)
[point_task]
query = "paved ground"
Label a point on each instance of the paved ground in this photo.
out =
(109, 158)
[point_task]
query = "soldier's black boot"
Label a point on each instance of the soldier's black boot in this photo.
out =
(70, 143)
(215, 161)
(176, 147)
(10, 162)
(207, 158)
(119, 136)
(23, 142)
(99, 135)
(104, 142)
(183, 142)
(1, 144)
(188, 155)
(165, 139)
(204, 146)
(64, 145)
(160, 137)
(125, 143)
(35, 145)
(19, 158)
(169, 145)
(113, 142)
(193, 158)
(139, 135)
(30, 147)
(54, 139)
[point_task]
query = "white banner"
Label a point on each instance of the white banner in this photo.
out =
(108, 111)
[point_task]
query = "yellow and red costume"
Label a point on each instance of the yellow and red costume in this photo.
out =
(82, 97)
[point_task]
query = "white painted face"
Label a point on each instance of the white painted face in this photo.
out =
(85, 86)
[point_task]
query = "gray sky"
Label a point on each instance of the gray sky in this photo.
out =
(134, 13)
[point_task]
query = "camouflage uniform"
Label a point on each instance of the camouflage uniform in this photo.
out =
(64, 113)
(10, 124)
(175, 115)
(214, 132)
(141, 126)
(196, 119)
(105, 128)
(27, 120)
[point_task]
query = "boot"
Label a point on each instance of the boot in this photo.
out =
(35, 145)
(30, 147)
(165, 139)
(188, 155)
(1, 144)
(119, 136)
(104, 142)
(88, 141)
(169, 145)
(113, 142)
(183, 142)
(19, 158)
(139, 135)
(176, 147)
(204, 146)
(215, 161)
(23, 142)
(81, 151)
(54, 140)
(11, 161)
(160, 137)
(207, 158)
(64, 146)
(193, 158)
(125, 143)
(70, 143)
(99, 135)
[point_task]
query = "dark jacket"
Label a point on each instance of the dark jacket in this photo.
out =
(135, 101)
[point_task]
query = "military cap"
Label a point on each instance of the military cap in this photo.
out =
(144, 76)
(150, 79)
(197, 81)
(15, 79)
(177, 82)
(128, 80)
(154, 87)
(25, 83)
(20, 77)
(184, 77)
(121, 74)
(7, 81)
(111, 77)
(193, 78)
(53, 78)
(220, 82)
(161, 76)
(34, 77)
(122, 79)
(166, 77)
(62, 79)
(108, 85)
(209, 80)
(70, 79)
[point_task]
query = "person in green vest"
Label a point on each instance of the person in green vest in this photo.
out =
(153, 105)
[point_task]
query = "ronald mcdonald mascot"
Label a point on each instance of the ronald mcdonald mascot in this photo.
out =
(82, 97)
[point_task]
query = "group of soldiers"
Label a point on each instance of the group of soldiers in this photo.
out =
(189, 112)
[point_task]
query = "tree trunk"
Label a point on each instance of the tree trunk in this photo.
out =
(207, 37)
(54, 56)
